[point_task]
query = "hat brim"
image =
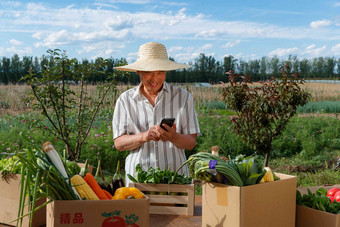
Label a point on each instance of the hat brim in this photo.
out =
(152, 65)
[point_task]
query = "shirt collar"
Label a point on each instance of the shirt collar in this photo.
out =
(166, 87)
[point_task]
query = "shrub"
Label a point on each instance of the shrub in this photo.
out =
(263, 112)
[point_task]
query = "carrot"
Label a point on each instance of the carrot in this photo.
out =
(107, 194)
(89, 178)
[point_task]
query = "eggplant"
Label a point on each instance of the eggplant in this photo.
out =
(117, 180)
(101, 180)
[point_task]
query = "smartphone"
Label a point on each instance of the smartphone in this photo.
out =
(168, 121)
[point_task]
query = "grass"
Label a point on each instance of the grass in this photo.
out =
(320, 170)
(320, 107)
(307, 148)
(12, 95)
(308, 142)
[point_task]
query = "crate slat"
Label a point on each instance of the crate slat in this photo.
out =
(169, 204)
(169, 210)
(168, 199)
(162, 187)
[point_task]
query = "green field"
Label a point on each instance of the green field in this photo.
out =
(309, 146)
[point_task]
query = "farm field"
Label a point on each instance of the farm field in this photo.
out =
(308, 148)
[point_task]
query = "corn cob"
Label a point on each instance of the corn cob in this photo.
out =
(83, 189)
(269, 175)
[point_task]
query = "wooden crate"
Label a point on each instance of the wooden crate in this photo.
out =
(181, 204)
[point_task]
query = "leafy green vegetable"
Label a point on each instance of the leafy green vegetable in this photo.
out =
(158, 176)
(72, 168)
(40, 179)
(238, 172)
(318, 200)
(10, 165)
(250, 169)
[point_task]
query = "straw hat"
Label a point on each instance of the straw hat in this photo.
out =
(152, 57)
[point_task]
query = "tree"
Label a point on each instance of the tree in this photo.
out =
(318, 68)
(338, 67)
(263, 112)
(36, 67)
(201, 67)
(27, 63)
(16, 68)
(254, 68)
(329, 67)
(229, 63)
(274, 66)
(263, 68)
(295, 64)
(6, 68)
(69, 112)
(304, 67)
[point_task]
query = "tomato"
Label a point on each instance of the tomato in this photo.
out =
(331, 198)
(332, 191)
(114, 221)
(337, 196)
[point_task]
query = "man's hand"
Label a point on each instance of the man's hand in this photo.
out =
(166, 135)
(152, 134)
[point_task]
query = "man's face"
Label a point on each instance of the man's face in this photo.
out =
(152, 80)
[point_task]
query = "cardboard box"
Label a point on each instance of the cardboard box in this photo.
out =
(306, 216)
(93, 213)
(267, 204)
(182, 203)
(9, 203)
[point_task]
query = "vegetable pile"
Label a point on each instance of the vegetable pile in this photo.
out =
(320, 200)
(158, 176)
(240, 171)
(46, 175)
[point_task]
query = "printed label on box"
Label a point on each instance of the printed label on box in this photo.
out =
(66, 218)
(114, 219)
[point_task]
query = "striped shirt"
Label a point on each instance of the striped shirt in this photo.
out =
(134, 114)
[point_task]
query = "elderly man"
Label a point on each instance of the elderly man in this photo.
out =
(139, 111)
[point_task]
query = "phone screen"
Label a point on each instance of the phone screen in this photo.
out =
(168, 121)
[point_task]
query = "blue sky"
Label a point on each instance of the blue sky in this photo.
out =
(116, 28)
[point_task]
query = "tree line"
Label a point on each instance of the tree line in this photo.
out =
(204, 68)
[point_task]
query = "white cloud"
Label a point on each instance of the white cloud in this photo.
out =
(37, 35)
(174, 49)
(100, 5)
(185, 57)
(15, 42)
(337, 21)
(205, 47)
(89, 28)
(189, 53)
(337, 4)
(336, 49)
(313, 51)
(132, 57)
(147, 25)
(231, 44)
(138, 2)
(174, 3)
(320, 23)
(103, 49)
(2, 51)
(10, 3)
(55, 39)
(21, 52)
(283, 52)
